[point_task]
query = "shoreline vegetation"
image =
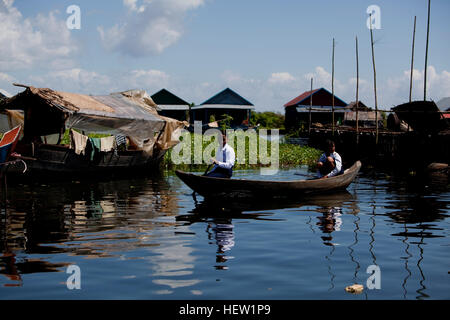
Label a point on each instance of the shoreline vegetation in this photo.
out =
(290, 155)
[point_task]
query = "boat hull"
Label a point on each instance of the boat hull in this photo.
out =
(239, 188)
(55, 161)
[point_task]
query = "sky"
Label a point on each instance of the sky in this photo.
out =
(265, 50)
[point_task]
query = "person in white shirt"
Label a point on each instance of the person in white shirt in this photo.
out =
(224, 161)
(330, 162)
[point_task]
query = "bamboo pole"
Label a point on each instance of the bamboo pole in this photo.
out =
(412, 67)
(426, 55)
(310, 107)
(412, 63)
(357, 92)
(332, 89)
(374, 82)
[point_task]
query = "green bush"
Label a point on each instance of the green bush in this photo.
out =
(267, 120)
(289, 156)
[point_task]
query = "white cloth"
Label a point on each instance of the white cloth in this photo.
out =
(230, 157)
(107, 143)
(78, 142)
(337, 161)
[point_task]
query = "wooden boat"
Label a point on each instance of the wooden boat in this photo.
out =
(61, 160)
(210, 187)
(49, 114)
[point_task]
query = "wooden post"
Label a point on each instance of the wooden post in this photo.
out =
(412, 66)
(310, 107)
(357, 92)
(426, 56)
(412, 63)
(332, 90)
(374, 82)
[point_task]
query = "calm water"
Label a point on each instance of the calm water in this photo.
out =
(150, 239)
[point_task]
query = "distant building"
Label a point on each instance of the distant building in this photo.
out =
(361, 106)
(225, 102)
(171, 106)
(444, 104)
(297, 110)
(366, 116)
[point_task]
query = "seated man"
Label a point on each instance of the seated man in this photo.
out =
(223, 165)
(330, 163)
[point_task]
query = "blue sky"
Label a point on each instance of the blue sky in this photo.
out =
(265, 50)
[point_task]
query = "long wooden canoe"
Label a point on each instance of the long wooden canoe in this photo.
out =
(210, 187)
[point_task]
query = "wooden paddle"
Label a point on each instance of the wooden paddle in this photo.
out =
(207, 169)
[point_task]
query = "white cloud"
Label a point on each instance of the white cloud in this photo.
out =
(147, 79)
(6, 77)
(73, 80)
(281, 77)
(150, 27)
(438, 85)
(28, 41)
(79, 80)
(321, 78)
(231, 77)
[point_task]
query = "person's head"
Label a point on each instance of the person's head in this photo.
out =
(330, 146)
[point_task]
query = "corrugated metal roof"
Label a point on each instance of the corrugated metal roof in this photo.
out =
(361, 106)
(228, 97)
(320, 109)
(164, 107)
(223, 106)
(300, 98)
(304, 99)
(165, 97)
(127, 105)
(363, 116)
(124, 108)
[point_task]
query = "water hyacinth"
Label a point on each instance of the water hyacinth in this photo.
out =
(248, 155)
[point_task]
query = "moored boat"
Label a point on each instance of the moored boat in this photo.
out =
(127, 132)
(241, 188)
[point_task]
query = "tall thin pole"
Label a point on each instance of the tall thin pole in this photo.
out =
(357, 92)
(332, 89)
(310, 107)
(412, 62)
(374, 81)
(426, 55)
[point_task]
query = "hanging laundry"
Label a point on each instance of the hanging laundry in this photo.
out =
(121, 140)
(107, 144)
(96, 145)
(78, 142)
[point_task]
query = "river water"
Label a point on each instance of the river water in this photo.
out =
(149, 238)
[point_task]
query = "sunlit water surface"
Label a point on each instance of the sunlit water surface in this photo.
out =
(149, 238)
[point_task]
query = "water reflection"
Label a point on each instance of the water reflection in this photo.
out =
(218, 219)
(221, 230)
(159, 231)
(331, 208)
(82, 218)
(419, 214)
